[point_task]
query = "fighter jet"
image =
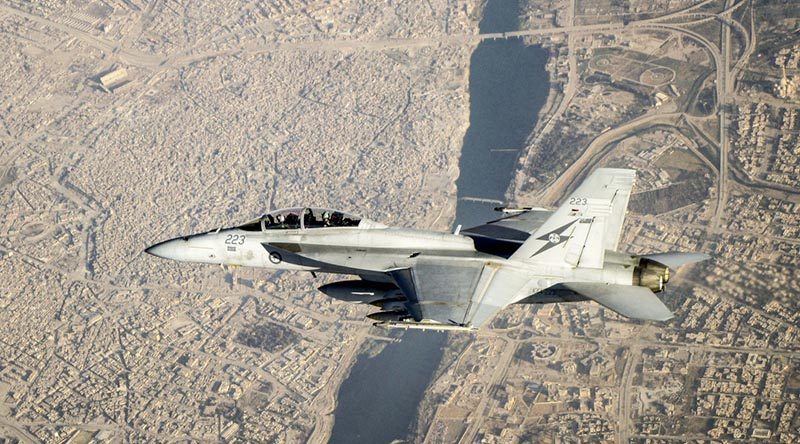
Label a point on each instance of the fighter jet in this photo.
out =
(460, 280)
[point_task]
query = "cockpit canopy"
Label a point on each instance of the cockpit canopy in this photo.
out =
(306, 218)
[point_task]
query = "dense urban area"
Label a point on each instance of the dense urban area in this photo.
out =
(124, 122)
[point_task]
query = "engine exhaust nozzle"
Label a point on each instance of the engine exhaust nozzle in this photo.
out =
(651, 274)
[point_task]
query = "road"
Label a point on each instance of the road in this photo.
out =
(724, 141)
(569, 93)
(593, 153)
(157, 62)
(725, 84)
(633, 360)
(501, 366)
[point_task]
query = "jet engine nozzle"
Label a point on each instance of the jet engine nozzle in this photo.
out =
(651, 274)
(365, 292)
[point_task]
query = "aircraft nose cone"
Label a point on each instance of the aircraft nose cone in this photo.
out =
(166, 250)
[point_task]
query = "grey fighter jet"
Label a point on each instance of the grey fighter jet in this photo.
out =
(457, 281)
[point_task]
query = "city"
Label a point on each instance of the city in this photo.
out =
(124, 122)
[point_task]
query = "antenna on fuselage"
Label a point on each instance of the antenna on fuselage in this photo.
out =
(457, 230)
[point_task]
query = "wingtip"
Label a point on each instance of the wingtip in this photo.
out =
(618, 171)
(666, 317)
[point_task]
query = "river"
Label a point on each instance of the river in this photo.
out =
(378, 401)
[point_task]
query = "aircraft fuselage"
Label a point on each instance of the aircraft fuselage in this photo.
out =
(457, 280)
(368, 252)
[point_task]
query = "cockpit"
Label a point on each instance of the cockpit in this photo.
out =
(306, 218)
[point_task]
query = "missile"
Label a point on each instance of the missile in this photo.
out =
(385, 316)
(391, 305)
(517, 210)
(365, 292)
(512, 210)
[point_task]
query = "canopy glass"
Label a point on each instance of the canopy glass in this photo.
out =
(302, 218)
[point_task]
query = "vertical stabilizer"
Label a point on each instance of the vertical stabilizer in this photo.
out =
(585, 225)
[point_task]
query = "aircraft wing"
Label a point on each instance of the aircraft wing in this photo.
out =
(504, 236)
(457, 293)
(516, 228)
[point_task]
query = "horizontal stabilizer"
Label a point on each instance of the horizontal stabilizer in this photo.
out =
(676, 259)
(627, 300)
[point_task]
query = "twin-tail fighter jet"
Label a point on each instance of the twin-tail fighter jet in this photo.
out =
(457, 281)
